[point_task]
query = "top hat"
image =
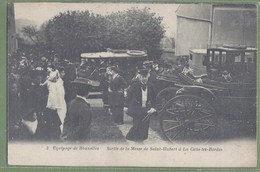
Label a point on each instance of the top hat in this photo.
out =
(114, 68)
(87, 82)
(148, 63)
(225, 72)
(142, 70)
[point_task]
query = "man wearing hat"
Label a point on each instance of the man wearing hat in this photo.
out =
(117, 84)
(78, 118)
(141, 103)
(226, 76)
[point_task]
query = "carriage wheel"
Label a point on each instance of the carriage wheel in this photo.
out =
(188, 118)
(164, 96)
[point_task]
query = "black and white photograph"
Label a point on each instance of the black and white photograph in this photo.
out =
(132, 84)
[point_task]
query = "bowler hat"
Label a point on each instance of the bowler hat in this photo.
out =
(85, 81)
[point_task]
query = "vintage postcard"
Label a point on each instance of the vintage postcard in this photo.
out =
(132, 84)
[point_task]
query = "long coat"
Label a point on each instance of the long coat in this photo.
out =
(134, 98)
(78, 120)
(116, 94)
(140, 128)
(48, 125)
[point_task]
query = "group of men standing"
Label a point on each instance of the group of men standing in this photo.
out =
(138, 97)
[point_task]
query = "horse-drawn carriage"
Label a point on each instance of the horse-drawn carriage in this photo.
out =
(190, 106)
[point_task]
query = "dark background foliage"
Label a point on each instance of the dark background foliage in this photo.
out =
(74, 32)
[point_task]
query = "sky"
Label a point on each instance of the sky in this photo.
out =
(41, 12)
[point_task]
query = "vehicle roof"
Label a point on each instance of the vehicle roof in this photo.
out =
(224, 49)
(107, 55)
(204, 50)
(248, 49)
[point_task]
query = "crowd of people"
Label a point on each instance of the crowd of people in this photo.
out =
(47, 98)
(38, 93)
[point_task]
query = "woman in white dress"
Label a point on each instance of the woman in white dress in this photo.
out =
(56, 96)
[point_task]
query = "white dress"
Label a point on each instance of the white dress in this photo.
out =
(56, 96)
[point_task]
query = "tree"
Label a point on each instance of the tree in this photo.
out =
(168, 42)
(32, 33)
(135, 29)
(172, 42)
(74, 32)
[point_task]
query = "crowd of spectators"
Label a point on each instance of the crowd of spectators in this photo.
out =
(27, 95)
(39, 90)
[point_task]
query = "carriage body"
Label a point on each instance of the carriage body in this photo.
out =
(93, 66)
(189, 108)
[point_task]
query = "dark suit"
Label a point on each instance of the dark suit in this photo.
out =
(135, 109)
(116, 98)
(48, 125)
(78, 120)
(104, 87)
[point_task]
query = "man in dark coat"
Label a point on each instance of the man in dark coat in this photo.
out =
(48, 128)
(14, 116)
(79, 115)
(70, 92)
(104, 84)
(116, 100)
(141, 102)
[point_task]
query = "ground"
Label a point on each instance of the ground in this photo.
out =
(105, 130)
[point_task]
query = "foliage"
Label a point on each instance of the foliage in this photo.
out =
(172, 42)
(33, 34)
(73, 32)
(135, 29)
(168, 42)
(32, 43)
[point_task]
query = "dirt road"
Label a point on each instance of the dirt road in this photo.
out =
(104, 129)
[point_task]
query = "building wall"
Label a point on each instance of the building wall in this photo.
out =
(234, 26)
(199, 11)
(191, 34)
(230, 25)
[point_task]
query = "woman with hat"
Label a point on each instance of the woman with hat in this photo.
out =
(79, 116)
(140, 101)
(117, 84)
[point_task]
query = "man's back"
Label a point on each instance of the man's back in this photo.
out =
(78, 120)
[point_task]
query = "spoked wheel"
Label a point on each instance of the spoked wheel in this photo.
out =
(164, 96)
(188, 118)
